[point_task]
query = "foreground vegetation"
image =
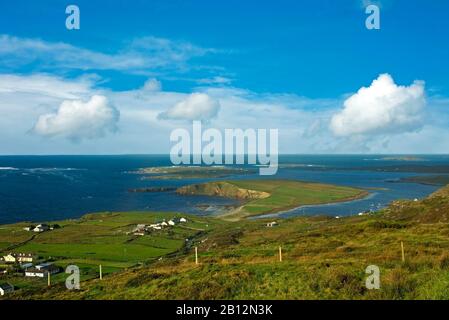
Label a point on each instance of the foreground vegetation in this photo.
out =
(323, 258)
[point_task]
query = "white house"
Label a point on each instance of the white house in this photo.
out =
(155, 226)
(272, 224)
(42, 270)
(24, 257)
(164, 224)
(171, 222)
(6, 288)
(140, 227)
(41, 228)
(10, 258)
(183, 220)
(140, 230)
(18, 257)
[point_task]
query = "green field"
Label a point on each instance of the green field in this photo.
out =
(323, 258)
(99, 239)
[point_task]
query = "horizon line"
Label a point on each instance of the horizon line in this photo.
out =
(246, 154)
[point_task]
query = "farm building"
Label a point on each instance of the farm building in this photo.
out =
(9, 258)
(179, 220)
(42, 270)
(6, 288)
(25, 266)
(140, 230)
(272, 224)
(18, 257)
(41, 228)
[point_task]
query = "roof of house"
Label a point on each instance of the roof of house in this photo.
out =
(42, 270)
(22, 254)
(19, 255)
(6, 286)
(44, 265)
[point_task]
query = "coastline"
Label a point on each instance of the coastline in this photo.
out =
(238, 214)
(368, 195)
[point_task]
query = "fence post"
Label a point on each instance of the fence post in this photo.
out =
(402, 251)
(280, 254)
(196, 255)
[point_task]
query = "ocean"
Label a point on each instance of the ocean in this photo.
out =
(45, 188)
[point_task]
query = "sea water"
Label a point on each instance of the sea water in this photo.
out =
(44, 188)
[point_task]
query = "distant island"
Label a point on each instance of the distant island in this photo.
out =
(402, 158)
(152, 189)
(190, 172)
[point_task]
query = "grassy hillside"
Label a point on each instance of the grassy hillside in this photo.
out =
(99, 239)
(323, 258)
(270, 196)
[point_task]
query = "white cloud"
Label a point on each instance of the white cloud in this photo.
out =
(45, 85)
(142, 55)
(152, 85)
(77, 120)
(215, 80)
(197, 106)
(303, 123)
(382, 108)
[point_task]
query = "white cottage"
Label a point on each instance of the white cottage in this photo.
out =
(6, 288)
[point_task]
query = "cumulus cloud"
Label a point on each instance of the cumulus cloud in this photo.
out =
(303, 123)
(381, 108)
(197, 106)
(77, 120)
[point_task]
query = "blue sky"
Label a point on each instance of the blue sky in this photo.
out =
(299, 59)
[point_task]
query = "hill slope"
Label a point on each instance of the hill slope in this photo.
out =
(323, 258)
